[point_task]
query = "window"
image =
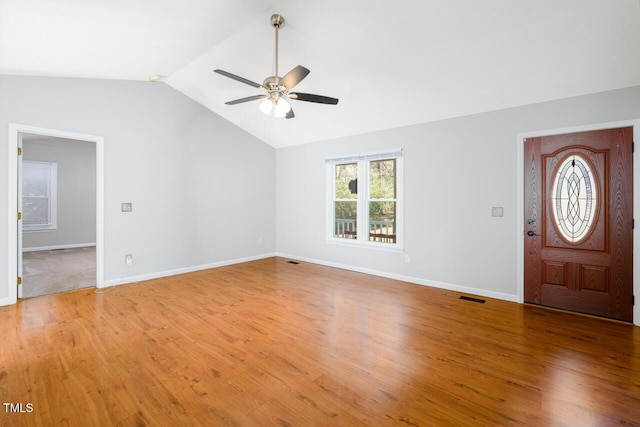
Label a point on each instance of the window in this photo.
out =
(39, 194)
(365, 199)
(575, 201)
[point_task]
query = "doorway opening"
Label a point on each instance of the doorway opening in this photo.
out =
(58, 195)
(70, 234)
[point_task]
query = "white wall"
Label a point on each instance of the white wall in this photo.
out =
(455, 171)
(76, 190)
(167, 155)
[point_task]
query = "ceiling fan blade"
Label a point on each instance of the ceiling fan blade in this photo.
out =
(238, 78)
(290, 114)
(309, 97)
(294, 77)
(247, 99)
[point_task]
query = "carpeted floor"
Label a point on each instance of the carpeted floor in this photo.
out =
(59, 270)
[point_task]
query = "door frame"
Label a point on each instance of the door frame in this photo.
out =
(15, 130)
(635, 123)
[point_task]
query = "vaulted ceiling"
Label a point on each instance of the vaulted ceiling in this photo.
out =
(391, 64)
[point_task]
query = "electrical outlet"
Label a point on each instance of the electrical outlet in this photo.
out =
(128, 259)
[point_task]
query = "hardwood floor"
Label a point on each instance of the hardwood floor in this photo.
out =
(268, 343)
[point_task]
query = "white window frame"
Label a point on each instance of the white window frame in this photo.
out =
(52, 168)
(363, 161)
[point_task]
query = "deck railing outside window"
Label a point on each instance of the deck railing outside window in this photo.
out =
(382, 231)
(379, 231)
(346, 228)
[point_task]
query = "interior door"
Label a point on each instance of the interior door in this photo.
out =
(578, 222)
(19, 222)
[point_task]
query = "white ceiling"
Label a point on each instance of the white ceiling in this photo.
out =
(391, 63)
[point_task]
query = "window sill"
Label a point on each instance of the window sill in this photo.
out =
(38, 230)
(384, 247)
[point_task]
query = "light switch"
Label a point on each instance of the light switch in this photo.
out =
(127, 207)
(497, 211)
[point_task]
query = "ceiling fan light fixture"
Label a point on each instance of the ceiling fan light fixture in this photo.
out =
(266, 106)
(282, 108)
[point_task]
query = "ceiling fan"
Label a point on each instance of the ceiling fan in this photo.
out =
(277, 90)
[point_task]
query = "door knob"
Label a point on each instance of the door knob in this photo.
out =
(530, 233)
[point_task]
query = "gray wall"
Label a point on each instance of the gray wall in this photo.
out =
(76, 214)
(454, 172)
(203, 191)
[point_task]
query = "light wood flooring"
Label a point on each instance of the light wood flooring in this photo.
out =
(268, 343)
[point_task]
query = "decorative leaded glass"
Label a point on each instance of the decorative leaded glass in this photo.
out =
(574, 198)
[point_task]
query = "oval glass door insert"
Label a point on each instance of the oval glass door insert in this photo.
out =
(574, 198)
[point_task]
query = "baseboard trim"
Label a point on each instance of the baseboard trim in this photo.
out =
(57, 247)
(175, 272)
(394, 276)
(410, 279)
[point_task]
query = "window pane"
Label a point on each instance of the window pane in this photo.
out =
(382, 179)
(38, 191)
(347, 181)
(35, 210)
(35, 187)
(345, 220)
(382, 222)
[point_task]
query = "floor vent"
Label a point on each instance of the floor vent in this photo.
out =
(481, 301)
(293, 262)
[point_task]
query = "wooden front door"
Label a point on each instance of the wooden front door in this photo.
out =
(578, 222)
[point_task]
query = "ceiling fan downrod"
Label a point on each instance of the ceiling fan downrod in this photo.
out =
(277, 22)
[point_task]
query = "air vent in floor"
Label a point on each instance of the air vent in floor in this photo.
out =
(466, 298)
